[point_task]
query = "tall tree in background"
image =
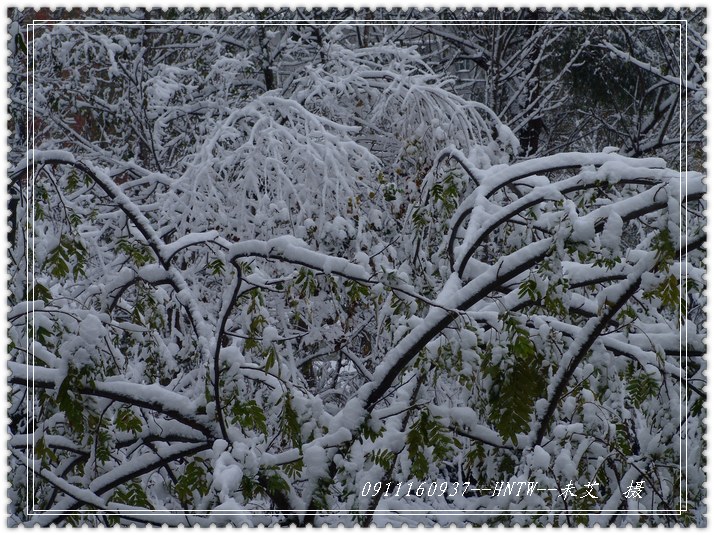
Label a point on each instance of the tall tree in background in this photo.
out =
(573, 79)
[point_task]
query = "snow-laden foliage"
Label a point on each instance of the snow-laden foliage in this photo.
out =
(583, 81)
(257, 267)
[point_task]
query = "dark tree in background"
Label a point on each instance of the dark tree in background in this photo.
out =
(257, 268)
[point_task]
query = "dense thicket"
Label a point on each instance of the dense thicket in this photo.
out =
(258, 265)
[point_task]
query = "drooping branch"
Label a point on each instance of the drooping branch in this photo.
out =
(646, 202)
(152, 397)
(494, 179)
(185, 297)
(136, 467)
(293, 251)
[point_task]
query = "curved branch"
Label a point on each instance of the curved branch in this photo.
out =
(437, 319)
(650, 69)
(581, 345)
(93, 496)
(131, 281)
(502, 177)
(158, 246)
(497, 178)
(227, 308)
(693, 244)
(631, 208)
(154, 398)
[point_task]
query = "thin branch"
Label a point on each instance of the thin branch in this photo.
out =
(227, 308)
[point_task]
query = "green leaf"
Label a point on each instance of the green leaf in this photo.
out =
(290, 423)
(256, 325)
(356, 291)
(72, 182)
(68, 252)
(249, 416)
(56, 262)
(20, 43)
(42, 335)
(126, 420)
(192, 480)
(665, 248)
(641, 386)
(40, 293)
(132, 494)
(276, 484)
(671, 296)
(216, 267)
(44, 453)
(383, 458)
(101, 450)
(529, 287)
(294, 469)
(139, 253)
(70, 402)
(271, 357)
(251, 343)
(519, 386)
(368, 432)
(427, 434)
(419, 217)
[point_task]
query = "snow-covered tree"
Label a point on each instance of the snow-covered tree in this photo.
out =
(586, 79)
(266, 272)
